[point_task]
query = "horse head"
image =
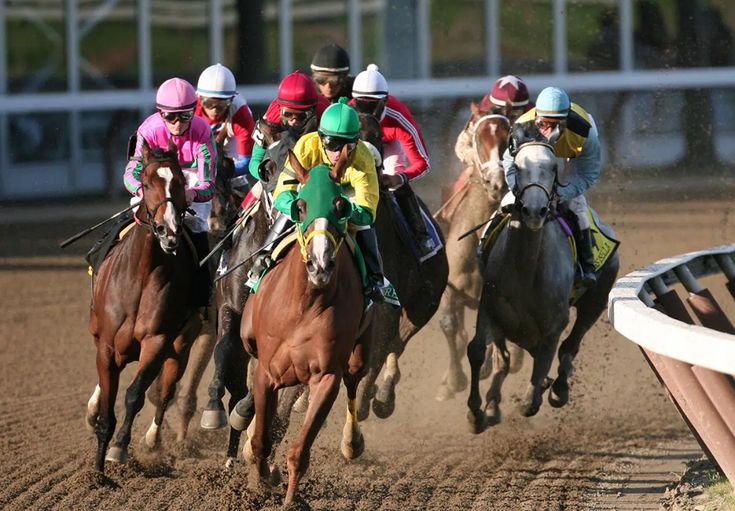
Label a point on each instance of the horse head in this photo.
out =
(320, 212)
(163, 185)
(489, 139)
(536, 181)
(372, 135)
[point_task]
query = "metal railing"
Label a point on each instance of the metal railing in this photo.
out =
(692, 356)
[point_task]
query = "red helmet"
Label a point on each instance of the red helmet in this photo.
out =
(509, 88)
(297, 91)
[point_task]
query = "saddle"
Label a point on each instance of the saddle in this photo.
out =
(405, 232)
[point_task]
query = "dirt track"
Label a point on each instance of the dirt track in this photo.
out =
(617, 445)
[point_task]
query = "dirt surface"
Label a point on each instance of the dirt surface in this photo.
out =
(619, 443)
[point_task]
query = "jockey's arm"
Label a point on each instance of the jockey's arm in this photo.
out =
(205, 158)
(585, 168)
(363, 178)
(242, 127)
(415, 150)
(256, 157)
(131, 178)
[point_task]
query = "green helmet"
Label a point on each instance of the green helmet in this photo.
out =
(340, 120)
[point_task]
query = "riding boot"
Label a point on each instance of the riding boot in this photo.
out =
(263, 261)
(367, 240)
(489, 229)
(411, 209)
(201, 286)
(586, 258)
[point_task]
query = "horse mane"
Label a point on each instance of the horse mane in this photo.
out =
(370, 131)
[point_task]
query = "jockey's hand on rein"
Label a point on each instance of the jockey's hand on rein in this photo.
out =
(393, 181)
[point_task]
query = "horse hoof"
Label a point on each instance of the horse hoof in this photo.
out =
(558, 395)
(492, 415)
(457, 382)
(383, 409)
(213, 419)
(476, 422)
(230, 463)
(444, 393)
(117, 455)
(352, 450)
(90, 423)
(302, 403)
(529, 410)
(274, 479)
(237, 421)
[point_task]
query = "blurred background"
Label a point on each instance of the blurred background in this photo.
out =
(77, 76)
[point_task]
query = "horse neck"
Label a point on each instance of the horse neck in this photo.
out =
(524, 248)
(301, 291)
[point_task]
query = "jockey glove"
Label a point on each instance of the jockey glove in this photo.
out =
(241, 164)
(360, 215)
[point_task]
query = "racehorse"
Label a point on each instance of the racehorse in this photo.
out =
(478, 196)
(303, 323)
(419, 287)
(140, 307)
(528, 281)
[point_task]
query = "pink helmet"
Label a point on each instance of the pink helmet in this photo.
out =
(176, 95)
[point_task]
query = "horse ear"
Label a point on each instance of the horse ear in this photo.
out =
(339, 168)
(145, 150)
(301, 173)
(171, 146)
(475, 109)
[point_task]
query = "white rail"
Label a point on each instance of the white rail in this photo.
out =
(630, 312)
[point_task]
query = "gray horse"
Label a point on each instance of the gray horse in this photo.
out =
(529, 278)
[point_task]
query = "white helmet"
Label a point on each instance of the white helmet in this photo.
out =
(370, 84)
(216, 82)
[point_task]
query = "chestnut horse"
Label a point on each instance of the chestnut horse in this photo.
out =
(140, 307)
(480, 191)
(303, 323)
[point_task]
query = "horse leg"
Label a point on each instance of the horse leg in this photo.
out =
(101, 405)
(500, 364)
(353, 443)
(240, 405)
(451, 314)
(260, 442)
(476, 352)
(149, 365)
(385, 397)
(374, 335)
(170, 374)
(542, 357)
(228, 343)
(201, 353)
(516, 358)
(323, 393)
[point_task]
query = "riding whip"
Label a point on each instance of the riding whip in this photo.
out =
(90, 229)
(226, 236)
(253, 254)
(474, 229)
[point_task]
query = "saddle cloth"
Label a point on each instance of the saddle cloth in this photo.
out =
(404, 231)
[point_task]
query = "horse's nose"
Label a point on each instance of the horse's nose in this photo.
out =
(161, 230)
(310, 266)
(329, 267)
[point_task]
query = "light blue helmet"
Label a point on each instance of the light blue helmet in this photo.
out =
(552, 102)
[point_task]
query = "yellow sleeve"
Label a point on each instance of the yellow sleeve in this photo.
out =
(304, 152)
(363, 178)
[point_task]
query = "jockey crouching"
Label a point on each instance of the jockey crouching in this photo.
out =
(192, 136)
(220, 105)
(572, 133)
(403, 143)
(339, 127)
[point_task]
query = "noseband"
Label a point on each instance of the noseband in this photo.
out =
(304, 241)
(151, 224)
(551, 194)
(483, 165)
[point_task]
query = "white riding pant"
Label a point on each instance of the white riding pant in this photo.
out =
(577, 204)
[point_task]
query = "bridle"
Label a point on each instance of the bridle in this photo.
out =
(304, 241)
(488, 165)
(156, 228)
(551, 195)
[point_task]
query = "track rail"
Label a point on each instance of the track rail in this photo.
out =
(689, 343)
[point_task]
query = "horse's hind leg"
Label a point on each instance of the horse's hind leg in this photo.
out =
(542, 357)
(170, 373)
(201, 353)
(104, 403)
(323, 393)
(148, 367)
(227, 348)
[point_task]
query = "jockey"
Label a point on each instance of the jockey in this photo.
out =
(508, 97)
(340, 127)
(192, 136)
(572, 133)
(405, 157)
(224, 109)
(295, 110)
(330, 69)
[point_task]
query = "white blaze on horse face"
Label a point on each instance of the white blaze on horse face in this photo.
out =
(169, 215)
(321, 247)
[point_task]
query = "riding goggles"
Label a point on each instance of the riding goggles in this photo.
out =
(337, 143)
(216, 103)
(173, 116)
(543, 124)
(333, 80)
(299, 116)
(367, 106)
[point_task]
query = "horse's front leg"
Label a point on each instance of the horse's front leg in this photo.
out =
(323, 393)
(476, 351)
(101, 406)
(260, 442)
(451, 321)
(353, 443)
(227, 349)
(500, 365)
(149, 364)
(542, 358)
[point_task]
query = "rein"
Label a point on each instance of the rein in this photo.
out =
(550, 193)
(478, 163)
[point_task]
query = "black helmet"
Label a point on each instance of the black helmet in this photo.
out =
(331, 58)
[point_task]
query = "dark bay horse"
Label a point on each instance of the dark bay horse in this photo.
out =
(140, 307)
(303, 323)
(419, 287)
(528, 279)
(479, 196)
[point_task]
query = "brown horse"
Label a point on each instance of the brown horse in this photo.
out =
(140, 307)
(303, 324)
(478, 197)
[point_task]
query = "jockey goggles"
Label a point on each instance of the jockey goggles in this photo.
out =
(367, 106)
(216, 103)
(333, 80)
(300, 116)
(544, 124)
(173, 116)
(337, 143)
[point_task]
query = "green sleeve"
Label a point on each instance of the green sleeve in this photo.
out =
(284, 200)
(361, 215)
(255, 159)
